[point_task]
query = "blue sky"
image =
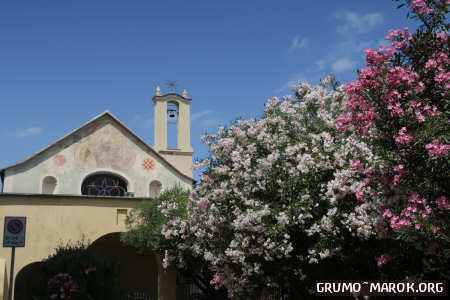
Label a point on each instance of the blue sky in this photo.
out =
(64, 62)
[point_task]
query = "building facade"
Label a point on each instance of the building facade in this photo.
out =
(83, 185)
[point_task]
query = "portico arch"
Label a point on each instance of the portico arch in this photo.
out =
(138, 275)
(28, 279)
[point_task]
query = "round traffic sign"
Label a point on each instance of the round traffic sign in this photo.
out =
(15, 226)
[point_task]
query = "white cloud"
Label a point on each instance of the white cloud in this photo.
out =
(354, 45)
(343, 64)
(299, 43)
(355, 22)
(321, 63)
(27, 132)
(198, 115)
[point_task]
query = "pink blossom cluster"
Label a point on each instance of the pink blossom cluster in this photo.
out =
(443, 203)
(421, 7)
(400, 171)
(401, 83)
(62, 286)
(399, 104)
(382, 259)
(399, 38)
(437, 149)
(216, 281)
(413, 215)
(402, 137)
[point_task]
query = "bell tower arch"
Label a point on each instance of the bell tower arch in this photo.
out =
(181, 156)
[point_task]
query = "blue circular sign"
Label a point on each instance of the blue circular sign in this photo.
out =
(15, 226)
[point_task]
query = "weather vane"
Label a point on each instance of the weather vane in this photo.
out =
(171, 85)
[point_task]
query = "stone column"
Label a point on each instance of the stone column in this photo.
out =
(184, 127)
(160, 117)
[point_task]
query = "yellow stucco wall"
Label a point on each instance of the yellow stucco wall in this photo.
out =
(56, 219)
(3, 280)
(183, 160)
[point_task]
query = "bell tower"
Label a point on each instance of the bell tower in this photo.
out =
(174, 105)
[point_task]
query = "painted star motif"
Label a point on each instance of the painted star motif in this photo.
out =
(104, 189)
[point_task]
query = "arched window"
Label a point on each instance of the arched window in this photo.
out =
(104, 185)
(155, 188)
(49, 185)
(172, 125)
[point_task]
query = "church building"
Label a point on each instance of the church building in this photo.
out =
(82, 186)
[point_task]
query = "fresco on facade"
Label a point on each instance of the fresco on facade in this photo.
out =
(106, 147)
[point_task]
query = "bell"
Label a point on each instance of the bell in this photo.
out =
(171, 113)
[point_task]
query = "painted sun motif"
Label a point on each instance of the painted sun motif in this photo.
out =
(148, 164)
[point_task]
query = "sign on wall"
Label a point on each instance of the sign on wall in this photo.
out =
(14, 232)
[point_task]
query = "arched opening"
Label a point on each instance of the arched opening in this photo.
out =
(172, 125)
(138, 272)
(49, 185)
(104, 184)
(155, 188)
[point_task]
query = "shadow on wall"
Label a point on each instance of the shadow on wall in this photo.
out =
(138, 276)
(29, 278)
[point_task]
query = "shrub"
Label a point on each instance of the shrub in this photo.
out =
(74, 273)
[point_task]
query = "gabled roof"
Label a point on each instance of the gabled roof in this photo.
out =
(105, 114)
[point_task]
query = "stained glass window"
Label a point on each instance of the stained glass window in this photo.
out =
(104, 185)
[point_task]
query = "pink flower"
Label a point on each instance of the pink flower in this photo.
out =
(431, 63)
(421, 7)
(418, 4)
(435, 229)
(394, 224)
(356, 165)
(382, 259)
(397, 179)
(369, 171)
(398, 168)
(342, 122)
(216, 281)
(443, 203)
(437, 149)
(420, 117)
(387, 213)
(360, 196)
(403, 138)
(414, 198)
